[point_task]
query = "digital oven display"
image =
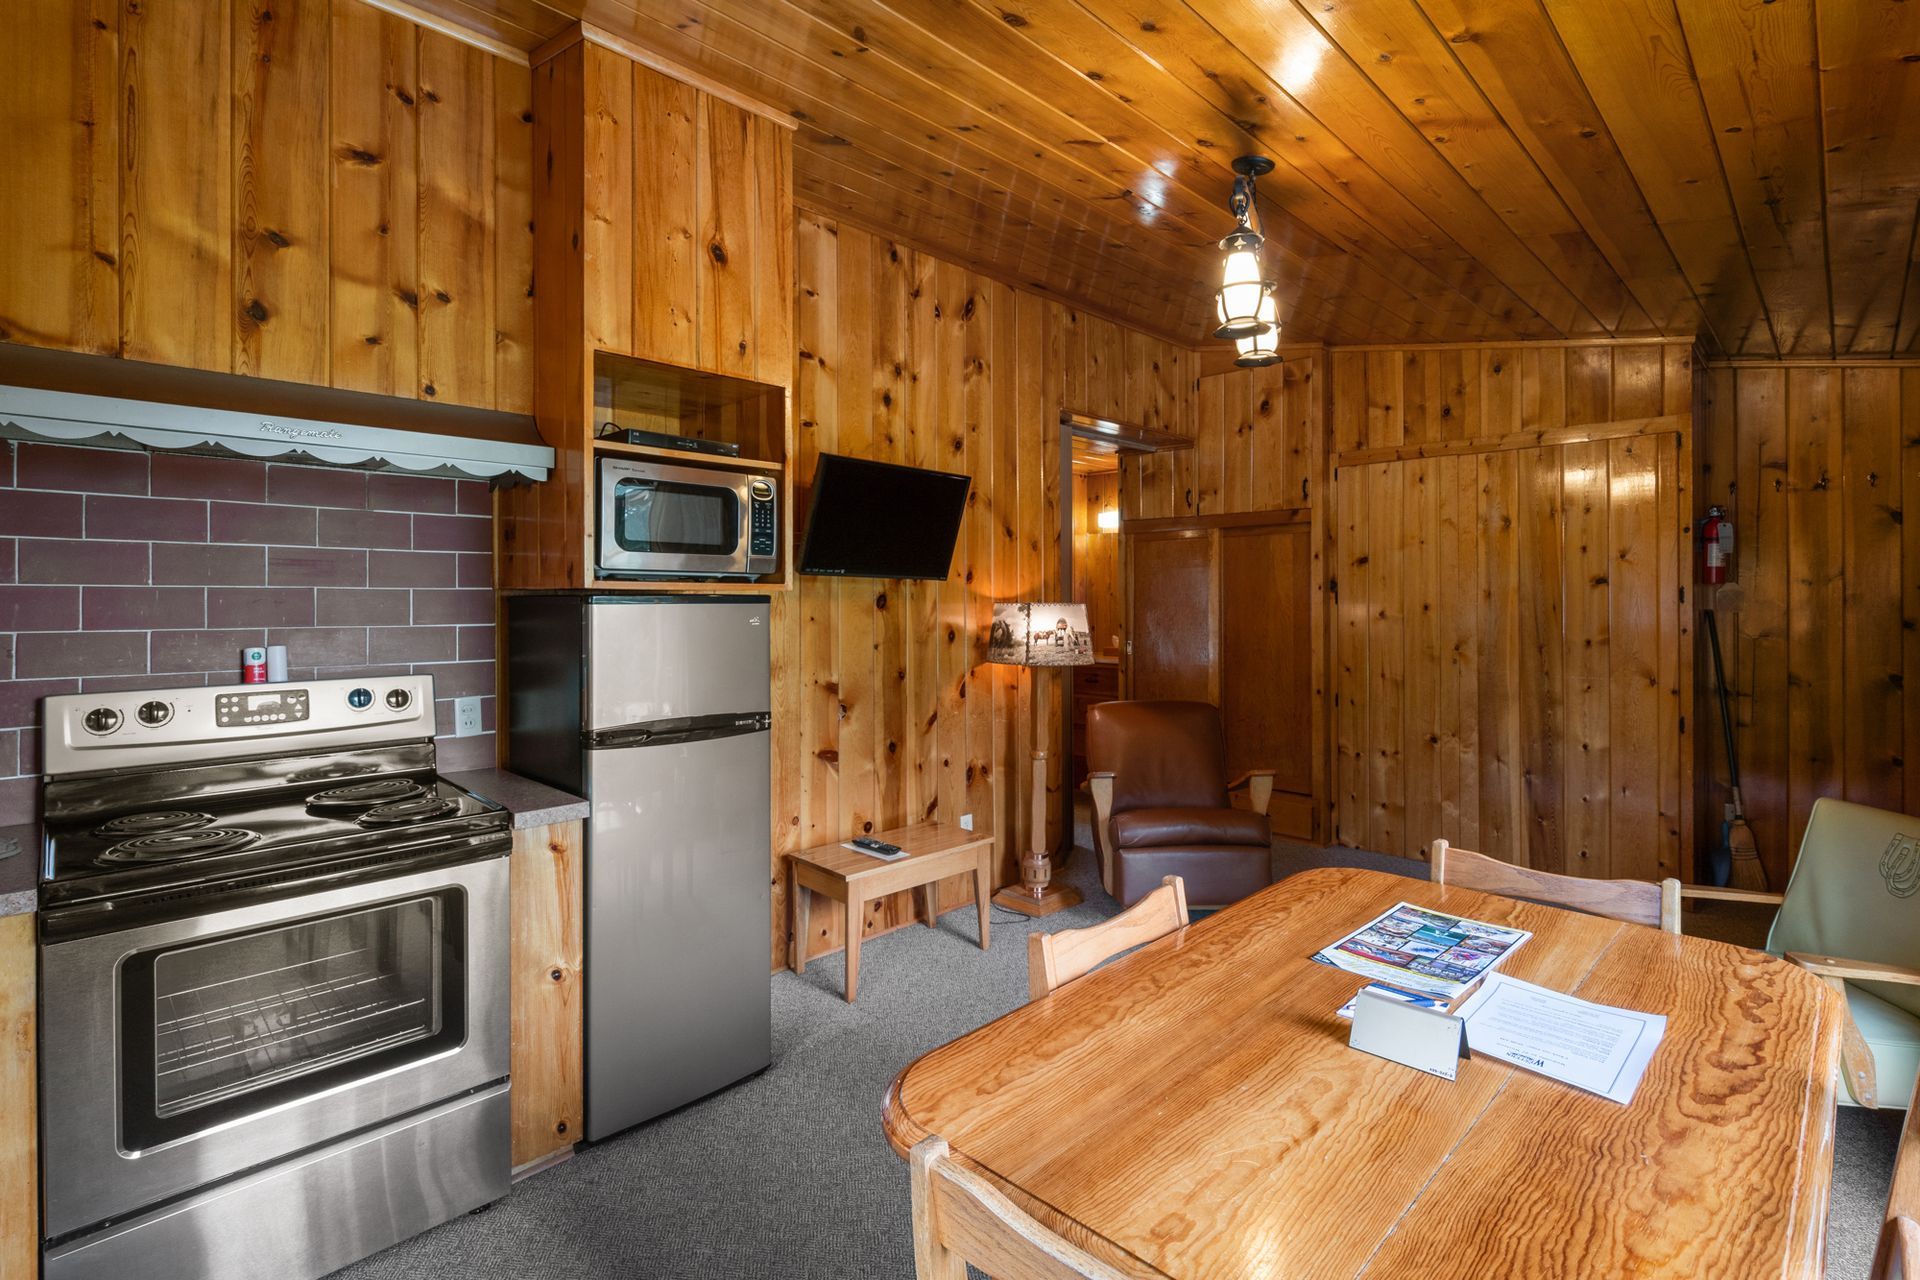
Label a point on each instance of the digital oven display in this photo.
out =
(276, 707)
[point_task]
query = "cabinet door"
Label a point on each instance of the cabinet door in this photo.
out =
(1266, 663)
(1173, 624)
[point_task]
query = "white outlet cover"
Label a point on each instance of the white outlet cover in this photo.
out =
(966, 822)
(466, 717)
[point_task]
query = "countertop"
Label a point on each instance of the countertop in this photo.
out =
(19, 869)
(533, 804)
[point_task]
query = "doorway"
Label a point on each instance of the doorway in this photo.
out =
(1094, 553)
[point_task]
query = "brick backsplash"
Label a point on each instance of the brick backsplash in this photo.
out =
(122, 570)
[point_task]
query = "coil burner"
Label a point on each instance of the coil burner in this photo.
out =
(171, 846)
(152, 824)
(365, 795)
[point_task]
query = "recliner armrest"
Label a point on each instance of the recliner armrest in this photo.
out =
(1100, 784)
(1259, 784)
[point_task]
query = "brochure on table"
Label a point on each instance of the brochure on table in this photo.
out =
(1426, 952)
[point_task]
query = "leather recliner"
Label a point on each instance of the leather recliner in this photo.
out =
(1162, 804)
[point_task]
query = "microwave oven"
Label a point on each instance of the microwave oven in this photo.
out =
(685, 520)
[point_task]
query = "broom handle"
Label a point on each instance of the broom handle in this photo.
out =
(1726, 717)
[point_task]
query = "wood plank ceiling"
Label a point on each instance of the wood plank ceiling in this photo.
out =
(1448, 170)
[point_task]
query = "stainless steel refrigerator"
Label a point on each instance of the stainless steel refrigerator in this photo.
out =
(658, 710)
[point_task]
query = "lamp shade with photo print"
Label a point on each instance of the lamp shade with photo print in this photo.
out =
(1041, 634)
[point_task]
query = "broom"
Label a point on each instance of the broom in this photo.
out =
(1738, 858)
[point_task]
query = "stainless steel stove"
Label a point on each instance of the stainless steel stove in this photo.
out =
(273, 981)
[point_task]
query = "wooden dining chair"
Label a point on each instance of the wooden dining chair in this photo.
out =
(1634, 901)
(960, 1217)
(1898, 1257)
(1055, 959)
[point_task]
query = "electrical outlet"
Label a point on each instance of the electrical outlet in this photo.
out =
(966, 822)
(466, 717)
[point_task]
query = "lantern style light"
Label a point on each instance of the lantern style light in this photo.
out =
(1244, 288)
(1261, 349)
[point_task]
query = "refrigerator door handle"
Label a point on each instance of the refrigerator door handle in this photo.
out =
(660, 733)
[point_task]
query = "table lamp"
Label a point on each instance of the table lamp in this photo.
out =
(1039, 634)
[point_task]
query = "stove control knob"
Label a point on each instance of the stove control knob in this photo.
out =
(154, 714)
(101, 720)
(359, 699)
(398, 699)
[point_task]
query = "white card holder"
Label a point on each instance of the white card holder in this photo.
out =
(1424, 1039)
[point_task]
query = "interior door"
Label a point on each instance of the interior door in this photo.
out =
(1172, 623)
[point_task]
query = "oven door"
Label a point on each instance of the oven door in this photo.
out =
(659, 520)
(177, 1054)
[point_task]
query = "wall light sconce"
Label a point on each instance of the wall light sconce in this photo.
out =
(1244, 288)
(1107, 521)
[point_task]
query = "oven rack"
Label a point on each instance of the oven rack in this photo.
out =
(269, 1026)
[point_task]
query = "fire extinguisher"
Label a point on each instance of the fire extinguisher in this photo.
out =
(1716, 546)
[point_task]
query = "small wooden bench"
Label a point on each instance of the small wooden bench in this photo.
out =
(934, 851)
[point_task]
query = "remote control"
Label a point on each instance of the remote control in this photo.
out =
(874, 846)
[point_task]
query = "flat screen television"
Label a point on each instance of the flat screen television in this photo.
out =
(881, 520)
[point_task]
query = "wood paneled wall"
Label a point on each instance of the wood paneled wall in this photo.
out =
(311, 190)
(1096, 557)
(1816, 464)
(884, 710)
(1511, 656)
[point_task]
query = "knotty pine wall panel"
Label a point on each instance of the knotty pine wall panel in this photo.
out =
(1511, 654)
(1820, 630)
(311, 190)
(885, 711)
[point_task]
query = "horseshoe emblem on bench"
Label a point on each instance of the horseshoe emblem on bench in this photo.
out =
(1900, 865)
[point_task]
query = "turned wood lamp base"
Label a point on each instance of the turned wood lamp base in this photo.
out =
(1036, 894)
(1051, 898)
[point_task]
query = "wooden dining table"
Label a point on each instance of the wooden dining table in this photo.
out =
(1193, 1108)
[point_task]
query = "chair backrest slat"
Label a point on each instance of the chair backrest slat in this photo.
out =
(1634, 901)
(1055, 959)
(961, 1217)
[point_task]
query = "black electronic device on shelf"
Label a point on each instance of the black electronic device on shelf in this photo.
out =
(661, 440)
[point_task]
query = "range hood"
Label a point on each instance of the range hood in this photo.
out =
(70, 398)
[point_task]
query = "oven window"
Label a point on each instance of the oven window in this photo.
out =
(665, 517)
(214, 1029)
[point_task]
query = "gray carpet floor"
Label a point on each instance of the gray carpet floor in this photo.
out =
(788, 1175)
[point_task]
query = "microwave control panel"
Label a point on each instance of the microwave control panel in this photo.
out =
(760, 535)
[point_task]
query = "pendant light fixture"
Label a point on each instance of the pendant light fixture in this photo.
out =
(1245, 301)
(1261, 349)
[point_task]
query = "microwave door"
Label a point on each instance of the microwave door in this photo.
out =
(667, 521)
